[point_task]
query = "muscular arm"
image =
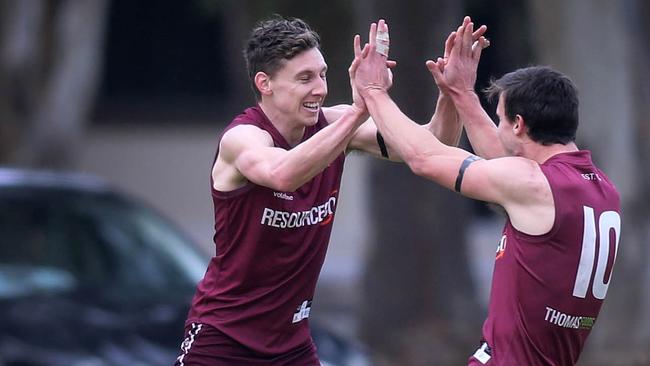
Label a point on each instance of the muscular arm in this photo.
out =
(444, 124)
(515, 183)
(247, 153)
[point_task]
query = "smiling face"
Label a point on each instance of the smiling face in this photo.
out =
(296, 91)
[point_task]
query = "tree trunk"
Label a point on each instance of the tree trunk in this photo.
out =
(60, 45)
(420, 304)
(641, 211)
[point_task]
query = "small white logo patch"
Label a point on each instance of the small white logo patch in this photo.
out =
(302, 311)
(481, 354)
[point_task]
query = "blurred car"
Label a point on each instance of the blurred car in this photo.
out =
(90, 277)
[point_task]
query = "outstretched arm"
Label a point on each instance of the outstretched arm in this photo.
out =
(247, 153)
(423, 152)
(444, 124)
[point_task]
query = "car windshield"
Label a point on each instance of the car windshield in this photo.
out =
(54, 240)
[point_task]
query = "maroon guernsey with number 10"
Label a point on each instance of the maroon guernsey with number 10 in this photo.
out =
(270, 247)
(547, 290)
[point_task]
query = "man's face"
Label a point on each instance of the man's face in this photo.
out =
(299, 87)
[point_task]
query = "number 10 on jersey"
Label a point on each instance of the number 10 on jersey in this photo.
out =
(607, 222)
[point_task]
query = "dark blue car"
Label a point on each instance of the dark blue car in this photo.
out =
(90, 277)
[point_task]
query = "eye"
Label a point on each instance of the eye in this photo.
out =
(304, 78)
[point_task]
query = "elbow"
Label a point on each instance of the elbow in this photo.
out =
(420, 165)
(417, 166)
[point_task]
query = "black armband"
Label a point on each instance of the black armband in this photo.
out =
(382, 145)
(461, 172)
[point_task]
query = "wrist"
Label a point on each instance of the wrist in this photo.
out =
(463, 94)
(374, 93)
(359, 113)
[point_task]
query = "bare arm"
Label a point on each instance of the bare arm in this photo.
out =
(517, 184)
(481, 130)
(445, 124)
(247, 153)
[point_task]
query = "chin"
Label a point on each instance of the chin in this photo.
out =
(311, 121)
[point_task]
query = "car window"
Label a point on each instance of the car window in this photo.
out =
(69, 240)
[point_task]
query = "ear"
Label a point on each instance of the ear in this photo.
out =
(263, 83)
(519, 125)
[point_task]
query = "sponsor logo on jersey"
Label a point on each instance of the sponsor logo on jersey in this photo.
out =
(501, 248)
(561, 319)
(317, 215)
(302, 312)
(283, 195)
(591, 176)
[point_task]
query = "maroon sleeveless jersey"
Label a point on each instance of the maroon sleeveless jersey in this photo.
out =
(547, 290)
(270, 247)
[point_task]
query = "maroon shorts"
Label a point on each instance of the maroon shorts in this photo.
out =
(206, 346)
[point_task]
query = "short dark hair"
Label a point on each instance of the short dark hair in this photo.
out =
(545, 98)
(275, 40)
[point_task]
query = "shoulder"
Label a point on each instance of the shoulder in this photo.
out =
(507, 179)
(238, 138)
(335, 112)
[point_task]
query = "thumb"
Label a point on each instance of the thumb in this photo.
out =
(435, 69)
(478, 46)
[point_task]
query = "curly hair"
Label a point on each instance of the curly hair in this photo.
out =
(275, 40)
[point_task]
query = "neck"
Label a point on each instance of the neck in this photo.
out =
(541, 153)
(290, 130)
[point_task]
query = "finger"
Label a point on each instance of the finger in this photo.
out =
(357, 45)
(436, 66)
(479, 32)
(478, 46)
(467, 39)
(457, 43)
(449, 44)
(434, 69)
(365, 50)
(372, 34)
(382, 40)
(430, 65)
(484, 42)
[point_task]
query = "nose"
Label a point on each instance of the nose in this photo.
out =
(320, 87)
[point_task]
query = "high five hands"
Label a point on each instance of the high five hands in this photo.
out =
(456, 71)
(371, 64)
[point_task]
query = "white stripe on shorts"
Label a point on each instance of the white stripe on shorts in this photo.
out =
(188, 341)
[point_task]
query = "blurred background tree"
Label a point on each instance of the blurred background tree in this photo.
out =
(51, 59)
(68, 66)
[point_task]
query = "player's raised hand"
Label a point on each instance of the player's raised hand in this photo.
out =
(378, 35)
(372, 72)
(457, 69)
(357, 101)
